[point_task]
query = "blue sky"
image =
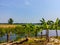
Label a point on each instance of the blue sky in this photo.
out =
(29, 11)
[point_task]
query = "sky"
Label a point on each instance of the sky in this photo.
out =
(29, 11)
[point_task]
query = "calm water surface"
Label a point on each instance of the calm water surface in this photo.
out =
(51, 32)
(13, 36)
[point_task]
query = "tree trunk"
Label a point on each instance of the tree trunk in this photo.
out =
(41, 34)
(47, 35)
(36, 33)
(56, 34)
(8, 37)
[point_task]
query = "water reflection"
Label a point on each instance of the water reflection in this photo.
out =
(4, 38)
(13, 36)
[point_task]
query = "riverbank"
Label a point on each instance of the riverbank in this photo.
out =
(34, 41)
(31, 41)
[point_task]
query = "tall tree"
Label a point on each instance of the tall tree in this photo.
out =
(45, 26)
(10, 21)
(36, 30)
(42, 22)
(47, 32)
(56, 26)
(41, 29)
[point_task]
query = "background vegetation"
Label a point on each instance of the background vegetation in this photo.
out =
(29, 29)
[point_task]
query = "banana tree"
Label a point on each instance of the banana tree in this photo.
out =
(19, 31)
(47, 32)
(7, 32)
(56, 26)
(51, 24)
(32, 30)
(36, 30)
(29, 29)
(41, 29)
(46, 27)
(42, 22)
(2, 33)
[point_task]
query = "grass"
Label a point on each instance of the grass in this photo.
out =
(8, 25)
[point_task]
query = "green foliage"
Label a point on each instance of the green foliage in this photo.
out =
(42, 21)
(30, 29)
(10, 21)
(19, 30)
(2, 32)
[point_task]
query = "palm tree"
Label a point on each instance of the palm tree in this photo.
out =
(41, 29)
(32, 29)
(45, 26)
(36, 30)
(42, 22)
(56, 27)
(47, 32)
(27, 28)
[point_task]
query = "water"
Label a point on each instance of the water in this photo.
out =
(4, 38)
(13, 36)
(51, 32)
